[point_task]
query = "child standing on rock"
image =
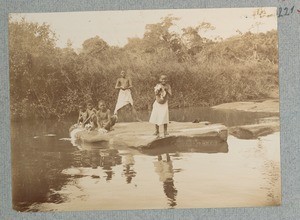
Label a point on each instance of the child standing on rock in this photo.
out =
(124, 85)
(160, 112)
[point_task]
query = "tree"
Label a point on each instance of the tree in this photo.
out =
(192, 38)
(94, 46)
(33, 72)
(47, 81)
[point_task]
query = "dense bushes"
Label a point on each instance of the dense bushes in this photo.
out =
(47, 81)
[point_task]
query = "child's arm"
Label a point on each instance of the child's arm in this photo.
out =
(168, 90)
(129, 83)
(157, 89)
(108, 115)
(117, 84)
(98, 121)
(87, 119)
(79, 116)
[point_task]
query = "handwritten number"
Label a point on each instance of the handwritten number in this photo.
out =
(286, 11)
(279, 12)
(292, 9)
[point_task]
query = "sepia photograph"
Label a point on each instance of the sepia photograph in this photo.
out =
(144, 109)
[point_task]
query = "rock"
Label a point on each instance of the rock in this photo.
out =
(254, 131)
(269, 119)
(95, 177)
(271, 106)
(140, 134)
(185, 145)
(71, 171)
(202, 122)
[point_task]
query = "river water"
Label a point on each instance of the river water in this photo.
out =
(49, 174)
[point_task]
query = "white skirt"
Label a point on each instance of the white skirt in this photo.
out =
(124, 98)
(159, 114)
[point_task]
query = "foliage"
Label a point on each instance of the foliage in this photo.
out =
(47, 81)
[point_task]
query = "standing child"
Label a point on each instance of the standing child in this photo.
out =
(160, 112)
(124, 85)
(104, 118)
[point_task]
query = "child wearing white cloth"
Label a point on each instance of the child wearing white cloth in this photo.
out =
(160, 112)
(124, 85)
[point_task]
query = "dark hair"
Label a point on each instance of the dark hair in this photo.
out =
(89, 103)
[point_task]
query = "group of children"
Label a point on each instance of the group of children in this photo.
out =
(101, 119)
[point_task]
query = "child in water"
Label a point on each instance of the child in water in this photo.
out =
(104, 118)
(160, 112)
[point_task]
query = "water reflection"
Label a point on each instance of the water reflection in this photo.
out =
(94, 158)
(39, 161)
(164, 169)
(187, 145)
(128, 170)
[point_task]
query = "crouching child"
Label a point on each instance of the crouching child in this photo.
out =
(104, 118)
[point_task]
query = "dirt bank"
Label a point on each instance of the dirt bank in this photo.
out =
(254, 106)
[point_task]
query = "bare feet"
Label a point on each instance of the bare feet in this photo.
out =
(166, 134)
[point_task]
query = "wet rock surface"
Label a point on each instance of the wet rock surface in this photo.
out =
(140, 135)
(265, 127)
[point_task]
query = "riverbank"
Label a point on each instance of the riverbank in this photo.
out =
(271, 106)
(265, 126)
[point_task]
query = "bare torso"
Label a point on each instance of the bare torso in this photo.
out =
(103, 117)
(124, 83)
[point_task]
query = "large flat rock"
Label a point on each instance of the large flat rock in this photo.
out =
(271, 106)
(194, 145)
(256, 130)
(140, 135)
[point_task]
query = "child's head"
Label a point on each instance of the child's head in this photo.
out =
(101, 105)
(163, 79)
(82, 107)
(90, 105)
(123, 74)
